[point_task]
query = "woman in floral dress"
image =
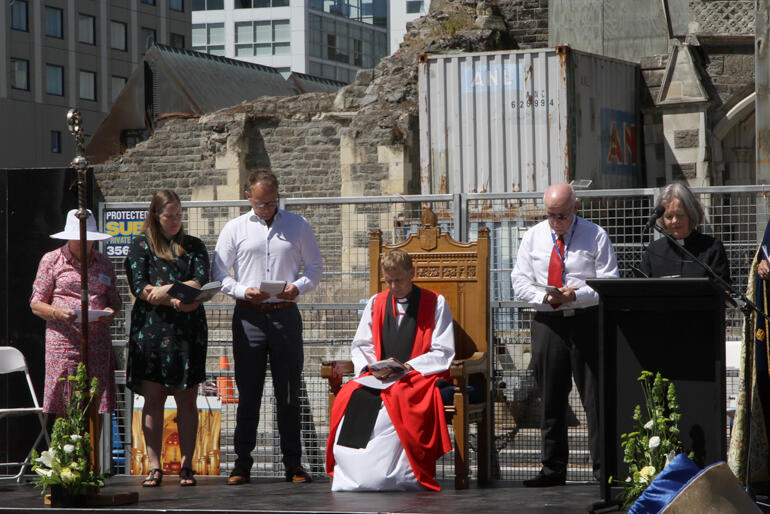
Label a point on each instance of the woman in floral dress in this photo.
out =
(56, 299)
(167, 345)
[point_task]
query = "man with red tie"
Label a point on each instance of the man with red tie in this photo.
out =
(562, 252)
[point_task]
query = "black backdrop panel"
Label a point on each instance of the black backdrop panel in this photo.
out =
(33, 205)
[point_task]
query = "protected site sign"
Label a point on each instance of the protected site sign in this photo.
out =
(123, 225)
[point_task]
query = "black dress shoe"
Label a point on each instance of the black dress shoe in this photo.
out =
(297, 474)
(239, 476)
(543, 480)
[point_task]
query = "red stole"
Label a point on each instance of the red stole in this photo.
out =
(413, 403)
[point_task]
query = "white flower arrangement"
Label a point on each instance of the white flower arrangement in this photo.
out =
(655, 439)
(67, 462)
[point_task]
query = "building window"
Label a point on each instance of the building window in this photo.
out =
(20, 74)
(209, 38)
(118, 35)
(54, 80)
(86, 32)
(87, 85)
(262, 38)
(116, 86)
(53, 22)
(148, 38)
(55, 141)
(148, 2)
(210, 5)
(176, 5)
(176, 40)
(19, 19)
(414, 6)
(256, 4)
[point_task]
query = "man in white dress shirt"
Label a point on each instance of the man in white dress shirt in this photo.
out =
(388, 436)
(563, 251)
(264, 244)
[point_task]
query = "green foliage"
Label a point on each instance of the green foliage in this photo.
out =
(655, 439)
(67, 461)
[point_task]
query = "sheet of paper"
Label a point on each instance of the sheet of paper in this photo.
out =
(93, 315)
(764, 252)
(272, 287)
(376, 383)
(546, 287)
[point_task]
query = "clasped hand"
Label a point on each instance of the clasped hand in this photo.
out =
(254, 295)
(566, 294)
(763, 269)
(390, 372)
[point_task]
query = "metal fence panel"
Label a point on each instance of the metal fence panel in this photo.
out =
(330, 314)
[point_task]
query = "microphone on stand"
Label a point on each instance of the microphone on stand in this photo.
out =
(657, 213)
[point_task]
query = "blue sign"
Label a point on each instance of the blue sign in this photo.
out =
(619, 143)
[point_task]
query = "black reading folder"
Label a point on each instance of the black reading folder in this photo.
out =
(189, 294)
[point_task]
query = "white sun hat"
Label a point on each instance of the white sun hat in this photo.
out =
(72, 228)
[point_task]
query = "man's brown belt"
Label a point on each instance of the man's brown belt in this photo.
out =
(264, 307)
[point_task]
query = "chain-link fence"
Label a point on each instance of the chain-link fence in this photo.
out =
(330, 313)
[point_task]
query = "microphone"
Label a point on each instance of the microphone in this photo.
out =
(657, 213)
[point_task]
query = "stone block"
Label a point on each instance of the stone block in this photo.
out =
(683, 171)
(686, 138)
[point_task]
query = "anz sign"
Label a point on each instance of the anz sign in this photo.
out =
(619, 143)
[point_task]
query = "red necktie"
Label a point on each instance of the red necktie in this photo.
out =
(556, 266)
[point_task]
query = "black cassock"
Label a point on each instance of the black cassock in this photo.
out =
(664, 258)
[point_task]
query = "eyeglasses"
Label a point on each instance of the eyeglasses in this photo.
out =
(265, 205)
(560, 217)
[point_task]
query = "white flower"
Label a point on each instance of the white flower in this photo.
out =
(76, 437)
(669, 457)
(46, 458)
(44, 472)
(654, 442)
(69, 448)
(648, 425)
(68, 476)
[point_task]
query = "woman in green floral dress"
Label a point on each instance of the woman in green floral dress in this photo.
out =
(167, 346)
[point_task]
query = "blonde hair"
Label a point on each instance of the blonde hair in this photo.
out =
(396, 259)
(165, 249)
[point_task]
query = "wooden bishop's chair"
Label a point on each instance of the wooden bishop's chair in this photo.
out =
(459, 271)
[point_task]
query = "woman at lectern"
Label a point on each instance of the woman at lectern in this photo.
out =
(682, 214)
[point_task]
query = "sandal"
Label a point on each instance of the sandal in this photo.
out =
(154, 478)
(186, 478)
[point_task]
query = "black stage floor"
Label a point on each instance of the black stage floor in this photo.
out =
(274, 495)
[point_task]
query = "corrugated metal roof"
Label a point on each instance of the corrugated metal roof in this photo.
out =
(209, 82)
(312, 84)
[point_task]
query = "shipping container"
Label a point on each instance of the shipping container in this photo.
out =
(522, 120)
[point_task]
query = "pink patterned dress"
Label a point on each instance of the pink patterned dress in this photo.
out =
(58, 284)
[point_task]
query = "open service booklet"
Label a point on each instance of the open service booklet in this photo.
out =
(189, 294)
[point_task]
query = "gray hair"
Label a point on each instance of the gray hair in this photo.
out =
(690, 202)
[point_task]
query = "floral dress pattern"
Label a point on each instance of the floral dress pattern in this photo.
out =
(166, 346)
(58, 284)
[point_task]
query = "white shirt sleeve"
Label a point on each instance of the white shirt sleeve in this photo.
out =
(442, 345)
(605, 266)
(311, 258)
(523, 274)
(223, 261)
(362, 351)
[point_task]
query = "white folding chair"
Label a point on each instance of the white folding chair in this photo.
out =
(12, 360)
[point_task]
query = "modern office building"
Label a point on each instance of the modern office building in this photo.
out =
(60, 54)
(402, 12)
(325, 38)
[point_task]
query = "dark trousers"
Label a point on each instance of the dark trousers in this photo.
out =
(563, 348)
(258, 337)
